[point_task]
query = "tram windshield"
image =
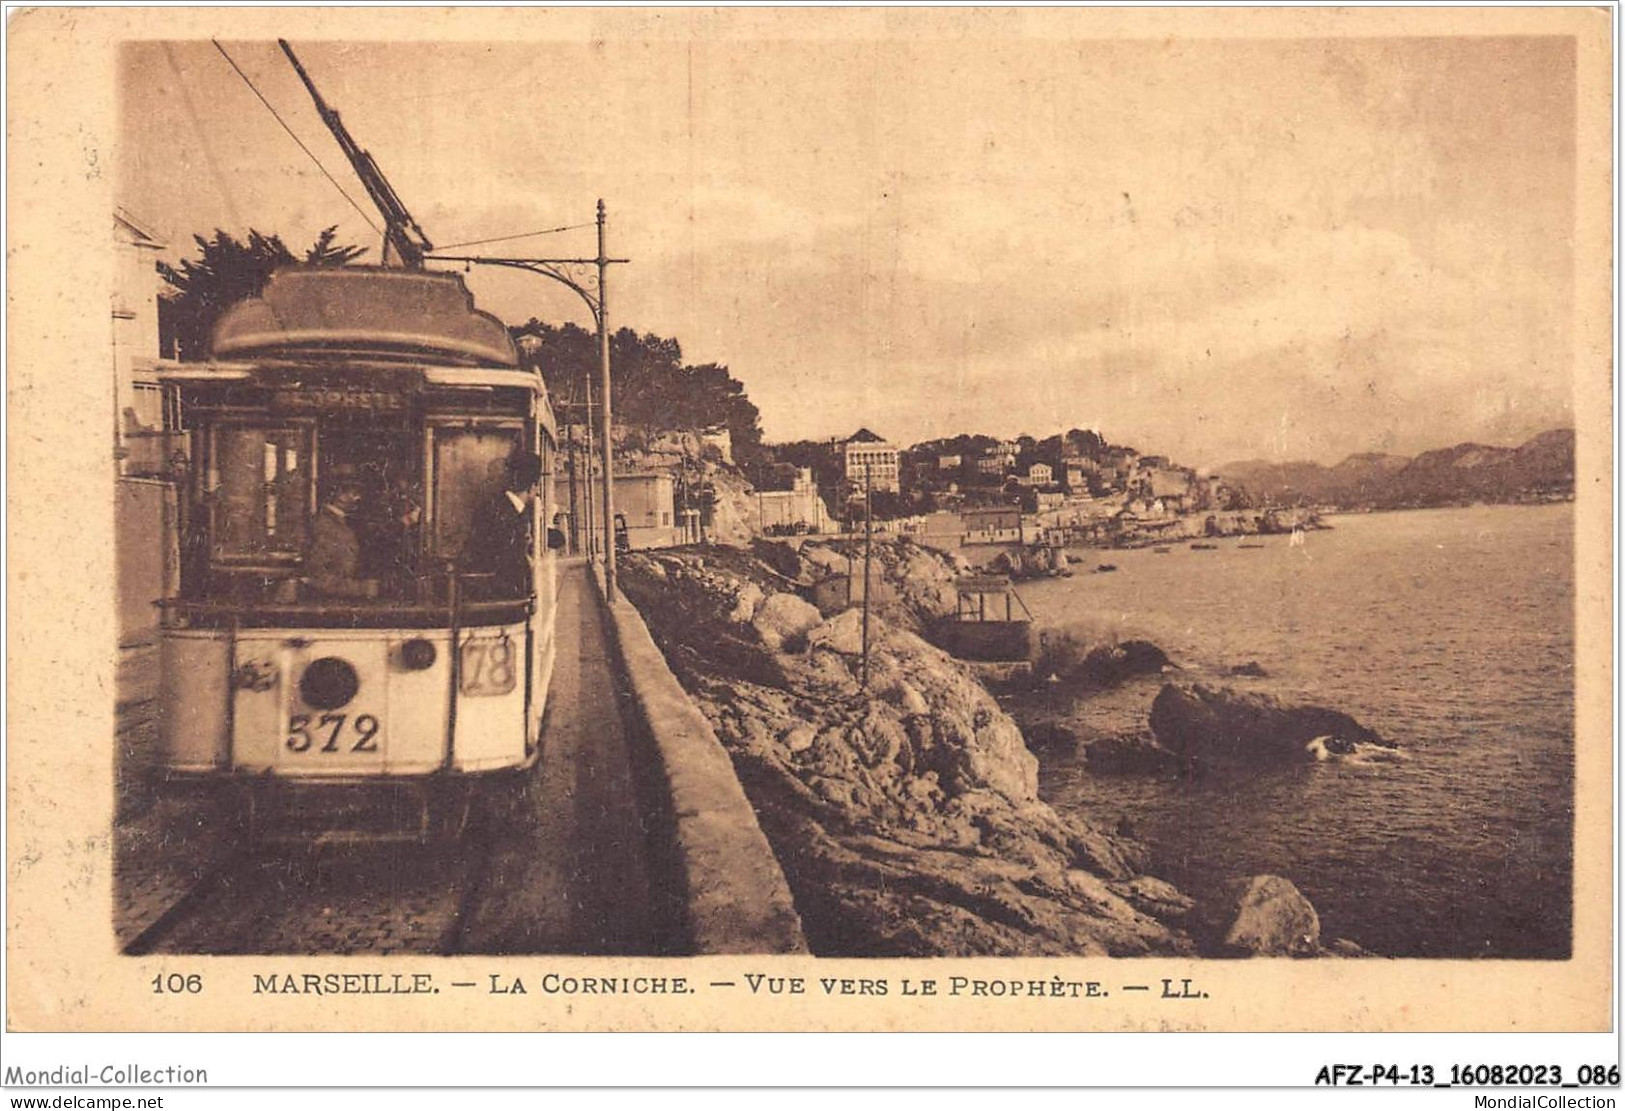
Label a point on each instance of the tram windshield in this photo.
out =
(343, 512)
(260, 483)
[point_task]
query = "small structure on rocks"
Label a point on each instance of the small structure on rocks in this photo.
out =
(984, 625)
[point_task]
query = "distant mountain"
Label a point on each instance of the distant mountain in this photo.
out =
(1540, 469)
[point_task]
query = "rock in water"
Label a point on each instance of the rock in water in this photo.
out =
(1051, 737)
(1264, 916)
(1119, 662)
(1343, 947)
(1125, 755)
(1205, 724)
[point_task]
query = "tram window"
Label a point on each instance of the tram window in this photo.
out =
(470, 466)
(260, 492)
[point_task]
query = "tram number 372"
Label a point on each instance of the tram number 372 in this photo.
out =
(327, 733)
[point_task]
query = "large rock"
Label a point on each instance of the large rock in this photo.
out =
(825, 557)
(842, 633)
(1205, 724)
(1261, 916)
(745, 603)
(1065, 657)
(1118, 662)
(1155, 897)
(783, 617)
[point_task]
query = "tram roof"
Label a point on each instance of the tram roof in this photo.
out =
(217, 371)
(362, 311)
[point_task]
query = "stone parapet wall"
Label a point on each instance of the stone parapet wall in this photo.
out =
(733, 897)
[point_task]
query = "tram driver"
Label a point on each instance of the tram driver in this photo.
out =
(333, 560)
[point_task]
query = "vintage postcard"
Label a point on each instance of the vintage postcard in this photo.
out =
(810, 520)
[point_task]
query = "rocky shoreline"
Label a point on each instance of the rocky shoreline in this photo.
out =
(903, 803)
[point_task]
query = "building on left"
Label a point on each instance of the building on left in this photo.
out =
(148, 434)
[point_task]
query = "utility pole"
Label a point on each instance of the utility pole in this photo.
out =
(609, 448)
(868, 555)
(586, 478)
(575, 472)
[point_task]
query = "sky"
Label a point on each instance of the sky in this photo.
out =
(1212, 249)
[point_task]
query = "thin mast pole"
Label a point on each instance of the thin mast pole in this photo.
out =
(868, 553)
(603, 368)
(586, 480)
(575, 476)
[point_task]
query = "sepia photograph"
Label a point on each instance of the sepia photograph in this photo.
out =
(823, 486)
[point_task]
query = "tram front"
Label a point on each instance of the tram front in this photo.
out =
(367, 589)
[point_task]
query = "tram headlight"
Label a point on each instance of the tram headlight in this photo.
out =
(328, 683)
(417, 654)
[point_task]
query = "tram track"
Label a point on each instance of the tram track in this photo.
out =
(335, 898)
(151, 938)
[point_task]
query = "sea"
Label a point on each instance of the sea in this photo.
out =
(1449, 631)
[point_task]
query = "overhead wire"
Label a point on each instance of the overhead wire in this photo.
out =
(522, 235)
(277, 116)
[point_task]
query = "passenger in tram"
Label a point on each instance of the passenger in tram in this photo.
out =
(389, 544)
(333, 560)
(499, 538)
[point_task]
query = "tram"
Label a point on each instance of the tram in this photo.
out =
(340, 648)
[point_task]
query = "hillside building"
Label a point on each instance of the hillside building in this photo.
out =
(1039, 474)
(798, 509)
(645, 501)
(870, 459)
(996, 525)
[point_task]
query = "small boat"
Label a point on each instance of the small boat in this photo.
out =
(1161, 551)
(1105, 567)
(1249, 545)
(1204, 547)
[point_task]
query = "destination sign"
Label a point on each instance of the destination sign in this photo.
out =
(347, 398)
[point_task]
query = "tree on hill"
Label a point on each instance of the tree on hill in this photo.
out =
(968, 445)
(654, 389)
(225, 271)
